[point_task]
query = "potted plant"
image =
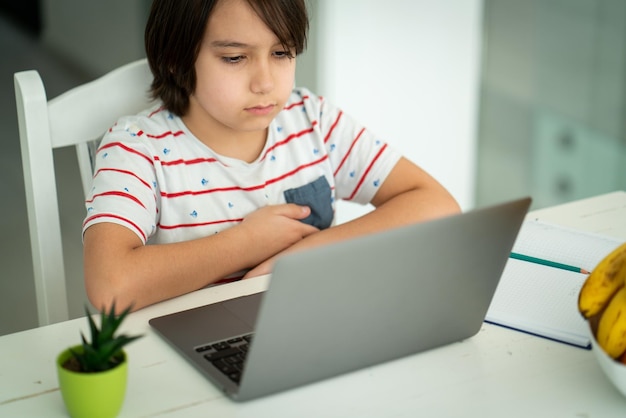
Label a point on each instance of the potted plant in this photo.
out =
(92, 375)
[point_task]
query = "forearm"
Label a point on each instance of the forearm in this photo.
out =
(412, 205)
(408, 195)
(403, 209)
(119, 267)
(144, 274)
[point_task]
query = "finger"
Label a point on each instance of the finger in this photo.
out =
(294, 211)
(307, 230)
(262, 269)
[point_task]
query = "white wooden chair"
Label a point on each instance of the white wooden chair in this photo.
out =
(78, 117)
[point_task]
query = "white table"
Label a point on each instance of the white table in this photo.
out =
(497, 373)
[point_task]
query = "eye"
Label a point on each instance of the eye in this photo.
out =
(233, 60)
(283, 54)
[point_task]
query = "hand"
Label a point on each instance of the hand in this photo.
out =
(276, 228)
(263, 268)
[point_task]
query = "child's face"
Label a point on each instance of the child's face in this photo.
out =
(243, 74)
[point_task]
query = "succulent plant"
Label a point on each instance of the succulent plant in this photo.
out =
(104, 351)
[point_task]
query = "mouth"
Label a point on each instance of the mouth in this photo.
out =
(261, 110)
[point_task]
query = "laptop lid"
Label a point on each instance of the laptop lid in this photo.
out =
(357, 303)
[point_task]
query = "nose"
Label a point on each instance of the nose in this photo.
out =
(261, 79)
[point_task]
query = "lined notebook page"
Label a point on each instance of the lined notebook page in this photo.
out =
(543, 300)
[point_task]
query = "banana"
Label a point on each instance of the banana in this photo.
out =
(612, 327)
(606, 279)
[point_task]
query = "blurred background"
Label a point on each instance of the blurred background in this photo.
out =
(496, 98)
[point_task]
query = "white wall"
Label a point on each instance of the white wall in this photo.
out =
(410, 70)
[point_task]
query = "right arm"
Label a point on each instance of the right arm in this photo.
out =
(119, 267)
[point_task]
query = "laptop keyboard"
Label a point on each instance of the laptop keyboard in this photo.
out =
(228, 356)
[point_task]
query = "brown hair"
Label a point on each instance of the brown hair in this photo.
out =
(174, 32)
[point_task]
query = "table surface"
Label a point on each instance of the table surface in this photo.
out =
(497, 373)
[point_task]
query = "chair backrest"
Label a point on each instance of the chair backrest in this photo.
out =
(77, 118)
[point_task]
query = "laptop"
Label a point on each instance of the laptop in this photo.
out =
(352, 304)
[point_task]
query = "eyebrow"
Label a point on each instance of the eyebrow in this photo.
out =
(234, 44)
(229, 44)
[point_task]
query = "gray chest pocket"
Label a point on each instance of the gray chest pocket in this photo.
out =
(317, 196)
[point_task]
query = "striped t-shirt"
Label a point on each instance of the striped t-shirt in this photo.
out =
(154, 177)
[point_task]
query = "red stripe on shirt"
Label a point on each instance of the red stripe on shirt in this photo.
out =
(125, 148)
(289, 138)
(188, 162)
(369, 167)
(110, 215)
(301, 103)
(345, 157)
(120, 194)
(222, 221)
(221, 189)
(165, 134)
(160, 109)
(130, 173)
(297, 169)
(333, 126)
(245, 189)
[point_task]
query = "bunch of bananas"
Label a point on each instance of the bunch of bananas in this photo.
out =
(602, 299)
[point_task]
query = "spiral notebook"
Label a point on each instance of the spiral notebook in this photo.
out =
(543, 300)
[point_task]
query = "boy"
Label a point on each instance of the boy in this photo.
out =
(234, 167)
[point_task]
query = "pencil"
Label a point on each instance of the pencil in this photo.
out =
(548, 263)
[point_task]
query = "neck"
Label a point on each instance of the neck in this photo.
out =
(242, 145)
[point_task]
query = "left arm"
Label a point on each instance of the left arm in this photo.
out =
(408, 195)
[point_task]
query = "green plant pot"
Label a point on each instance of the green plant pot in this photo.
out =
(93, 395)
